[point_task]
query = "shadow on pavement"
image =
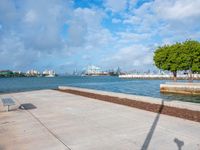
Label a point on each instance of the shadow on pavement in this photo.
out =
(179, 143)
(153, 127)
(27, 106)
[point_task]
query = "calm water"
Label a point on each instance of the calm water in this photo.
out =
(114, 84)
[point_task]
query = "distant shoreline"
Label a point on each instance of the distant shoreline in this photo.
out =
(159, 77)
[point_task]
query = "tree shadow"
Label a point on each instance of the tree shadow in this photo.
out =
(153, 127)
(179, 143)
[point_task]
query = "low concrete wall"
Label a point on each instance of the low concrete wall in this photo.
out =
(146, 99)
(181, 88)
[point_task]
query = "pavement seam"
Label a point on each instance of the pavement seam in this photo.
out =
(38, 120)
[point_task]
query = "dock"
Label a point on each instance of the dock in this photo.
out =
(181, 88)
(60, 120)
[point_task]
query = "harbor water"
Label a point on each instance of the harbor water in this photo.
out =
(106, 83)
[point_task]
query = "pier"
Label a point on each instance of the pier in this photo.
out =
(52, 119)
(181, 88)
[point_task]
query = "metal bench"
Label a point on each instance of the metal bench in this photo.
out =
(8, 102)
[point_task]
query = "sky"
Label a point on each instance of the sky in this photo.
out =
(66, 34)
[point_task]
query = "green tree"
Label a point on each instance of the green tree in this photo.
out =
(179, 56)
(168, 58)
(191, 56)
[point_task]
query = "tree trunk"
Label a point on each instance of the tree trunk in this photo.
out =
(190, 76)
(175, 75)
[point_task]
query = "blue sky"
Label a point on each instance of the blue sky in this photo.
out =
(68, 34)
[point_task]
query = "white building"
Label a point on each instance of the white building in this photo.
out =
(32, 73)
(49, 73)
(93, 70)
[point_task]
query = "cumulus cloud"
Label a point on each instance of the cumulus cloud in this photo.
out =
(115, 6)
(13, 54)
(127, 37)
(85, 29)
(39, 34)
(37, 30)
(115, 20)
(37, 23)
(31, 27)
(132, 20)
(133, 56)
(174, 20)
(177, 9)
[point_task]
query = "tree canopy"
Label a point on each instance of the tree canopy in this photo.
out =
(178, 57)
(191, 55)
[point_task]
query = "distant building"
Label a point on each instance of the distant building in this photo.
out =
(49, 73)
(32, 73)
(95, 71)
(118, 72)
(6, 73)
(75, 72)
(9, 73)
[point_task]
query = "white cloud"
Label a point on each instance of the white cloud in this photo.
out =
(30, 16)
(36, 23)
(31, 31)
(83, 20)
(173, 20)
(131, 57)
(85, 30)
(13, 53)
(129, 37)
(115, 6)
(132, 20)
(56, 30)
(177, 9)
(100, 37)
(131, 4)
(148, 25)
(115, 20)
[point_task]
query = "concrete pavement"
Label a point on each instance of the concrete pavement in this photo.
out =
(66, 121)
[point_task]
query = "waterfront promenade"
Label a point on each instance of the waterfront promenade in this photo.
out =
(57, 120)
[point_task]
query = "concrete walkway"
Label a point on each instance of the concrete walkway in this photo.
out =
(65, 121)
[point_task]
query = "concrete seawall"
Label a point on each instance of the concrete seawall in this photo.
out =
(180, 109)
(147, 99)
(181, 88)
